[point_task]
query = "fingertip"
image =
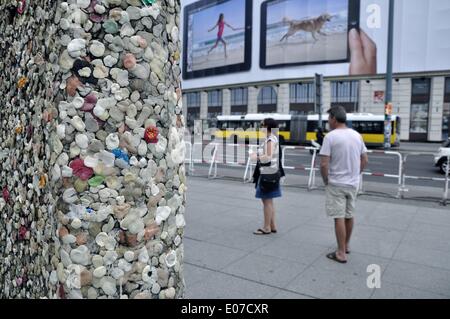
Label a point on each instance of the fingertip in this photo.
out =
(355, 41)
(354, 35)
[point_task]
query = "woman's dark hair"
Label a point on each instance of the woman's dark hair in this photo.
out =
(270, 124)
(221, 16)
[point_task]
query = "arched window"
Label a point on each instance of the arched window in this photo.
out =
(267, 100)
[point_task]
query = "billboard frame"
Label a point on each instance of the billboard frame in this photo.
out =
(227, 69)
(354, 8)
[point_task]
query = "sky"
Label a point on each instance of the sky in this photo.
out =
(234, 11)
(299, 9)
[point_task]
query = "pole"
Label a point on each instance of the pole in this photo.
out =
(318, 83)
(388, 98)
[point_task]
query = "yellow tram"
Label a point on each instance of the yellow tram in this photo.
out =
(301, 129)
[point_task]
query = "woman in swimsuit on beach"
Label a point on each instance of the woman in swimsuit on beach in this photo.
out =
(221, 26)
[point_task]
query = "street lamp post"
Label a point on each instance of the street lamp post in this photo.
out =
(388, 97)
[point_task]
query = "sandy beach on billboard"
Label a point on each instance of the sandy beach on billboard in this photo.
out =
(217, 59)
(328, 48)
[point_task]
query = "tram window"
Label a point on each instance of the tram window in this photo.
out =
(357, 127)
(365, 127)
(284, 125)
(238, 125)
(312, 126)
(248, 125)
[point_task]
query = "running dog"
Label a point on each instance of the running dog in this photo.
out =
(313, 26)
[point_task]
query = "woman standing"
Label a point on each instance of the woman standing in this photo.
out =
(221, 23)
(267, 175)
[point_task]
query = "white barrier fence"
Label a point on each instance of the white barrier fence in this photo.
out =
(311, 168)
(397, 176)
(405, 177)
(237, 155)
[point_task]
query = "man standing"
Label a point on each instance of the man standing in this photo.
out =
(343, 158)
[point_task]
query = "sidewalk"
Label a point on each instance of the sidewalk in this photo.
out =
(224, 260)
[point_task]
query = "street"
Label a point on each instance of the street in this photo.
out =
(381, 176)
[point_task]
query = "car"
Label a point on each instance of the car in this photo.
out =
(441, 157)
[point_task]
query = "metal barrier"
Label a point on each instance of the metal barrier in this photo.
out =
(377, 174)
(246, 162)
(188, 158)
(250, 165)
(194, 155)
(312, 169)
(243, 161)
(403, 188)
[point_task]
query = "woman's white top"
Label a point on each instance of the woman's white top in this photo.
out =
(264, 158)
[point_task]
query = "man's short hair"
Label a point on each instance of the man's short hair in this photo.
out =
(338, 113)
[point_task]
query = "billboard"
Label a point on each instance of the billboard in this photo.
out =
(294, 39)
(217, 37)
(300, 32)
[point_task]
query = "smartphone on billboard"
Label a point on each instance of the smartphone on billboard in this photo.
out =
(217, 37)
(302, 32)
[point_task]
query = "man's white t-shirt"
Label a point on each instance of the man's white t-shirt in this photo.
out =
(344, 147)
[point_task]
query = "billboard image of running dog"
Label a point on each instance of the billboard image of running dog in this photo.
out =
(314, 26)
(306, 31)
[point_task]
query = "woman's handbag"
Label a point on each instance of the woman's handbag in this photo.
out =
(269, 182)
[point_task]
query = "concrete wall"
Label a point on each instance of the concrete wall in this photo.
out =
(226, 102)
(436, 109)
(401, 99)
(203, 105)
(283, 98)
(253, 100)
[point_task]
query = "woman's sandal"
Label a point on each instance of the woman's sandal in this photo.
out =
(261, 232)
(333, 256)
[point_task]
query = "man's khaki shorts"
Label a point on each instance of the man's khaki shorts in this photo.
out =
(340, 201)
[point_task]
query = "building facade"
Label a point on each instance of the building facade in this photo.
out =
(421, 100)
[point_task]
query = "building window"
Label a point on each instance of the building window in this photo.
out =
(302, 92)
(301, 98)
(447, 90)
(193, 108)
(193, 99)
(215, 98)
(446, 111)
(214, 107)
(346, 94)
(239, 101)
(267, 100)
(420, 104)
(239, 96)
